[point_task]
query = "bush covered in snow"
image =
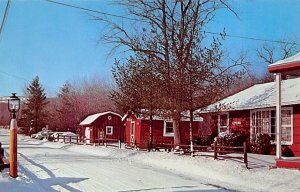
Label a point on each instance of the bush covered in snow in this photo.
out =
(230, 139)
(261, 144)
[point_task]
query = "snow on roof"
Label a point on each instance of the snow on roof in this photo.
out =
(292, 59)
(259, 96)
(156, 117)
(91, 118)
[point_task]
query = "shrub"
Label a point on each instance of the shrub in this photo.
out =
(203, 140)
(230, 139)
(287, 152)
(261, 144)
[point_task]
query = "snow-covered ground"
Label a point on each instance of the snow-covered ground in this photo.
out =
(47, 166)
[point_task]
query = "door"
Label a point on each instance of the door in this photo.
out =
(132, 131)
(87, 135)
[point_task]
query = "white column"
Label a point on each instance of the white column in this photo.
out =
(278, 115)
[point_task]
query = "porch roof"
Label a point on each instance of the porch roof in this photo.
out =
(91, 118)
(259, 96)
(288, 66)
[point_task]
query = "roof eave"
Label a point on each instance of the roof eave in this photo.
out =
(282, 67)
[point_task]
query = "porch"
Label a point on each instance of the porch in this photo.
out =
(288, 162)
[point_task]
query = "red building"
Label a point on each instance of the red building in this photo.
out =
(137, 130)
(253, 111)
(107, 124)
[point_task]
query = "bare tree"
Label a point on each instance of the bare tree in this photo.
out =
(172, 34)
(76, 100)
(270, 53)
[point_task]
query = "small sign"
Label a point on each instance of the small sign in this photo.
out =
(236, 123)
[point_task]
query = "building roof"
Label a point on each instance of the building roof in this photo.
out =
(156, 117)
(285, 64)
(259, 96)
(91, 118)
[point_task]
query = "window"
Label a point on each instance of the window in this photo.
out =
(223, 122)
(168, 129)
(109, 130)
(286, 125)
(264, 121)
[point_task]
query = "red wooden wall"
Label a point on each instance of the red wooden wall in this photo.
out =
(101, 123)
(240, 121)
(296, 131)
(142, 131)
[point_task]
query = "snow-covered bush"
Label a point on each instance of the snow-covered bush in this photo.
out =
(230, 139)
(261, 144)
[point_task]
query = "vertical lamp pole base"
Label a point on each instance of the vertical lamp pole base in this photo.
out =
(13, 170)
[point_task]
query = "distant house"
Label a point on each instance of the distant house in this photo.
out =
(107, 124)
(137, 130)
(253, 111)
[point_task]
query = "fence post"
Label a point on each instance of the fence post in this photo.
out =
(64, 139)
(105, 142)
(57, 137)
(119, 142)
(70, 140)
(148, 145)
(77, 139)
(215, 151)
(245, 154)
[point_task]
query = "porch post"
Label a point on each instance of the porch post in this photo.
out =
(278, 115)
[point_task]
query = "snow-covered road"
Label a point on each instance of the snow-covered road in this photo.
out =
(47, 167)
(53, 166)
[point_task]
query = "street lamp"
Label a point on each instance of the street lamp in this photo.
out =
(14, 104)
(13, 107)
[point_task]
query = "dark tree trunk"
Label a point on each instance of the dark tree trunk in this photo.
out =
(176, 127)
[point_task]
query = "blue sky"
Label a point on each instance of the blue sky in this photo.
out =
(59, 43)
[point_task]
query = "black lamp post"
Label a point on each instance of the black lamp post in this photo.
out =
(14, 104)
(13, 107)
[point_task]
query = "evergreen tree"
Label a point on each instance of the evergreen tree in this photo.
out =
(33, 113)
(67, 108)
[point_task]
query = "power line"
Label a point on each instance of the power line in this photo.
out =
(250, 38)
(4, 17)
(208, 32)
(14, 76)
(90, 10)
(24, 80)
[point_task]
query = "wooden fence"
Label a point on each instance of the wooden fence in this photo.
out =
(82, 140)
(221, 150)
(218, 151)
(108, 142)
(69, 139)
